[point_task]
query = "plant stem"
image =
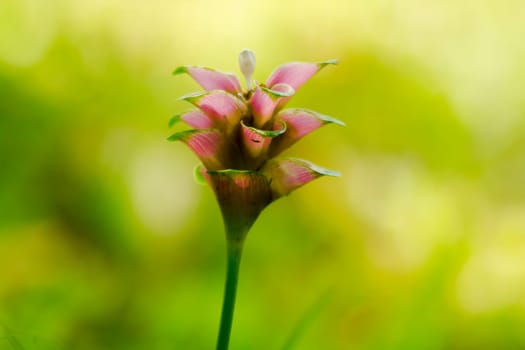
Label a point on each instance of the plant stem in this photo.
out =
(234, 251)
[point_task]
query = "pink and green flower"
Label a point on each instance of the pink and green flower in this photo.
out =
(238, 135)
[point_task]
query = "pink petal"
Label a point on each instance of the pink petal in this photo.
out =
(257, 141)
(286, 175)
(299, 122)
(207, 144)
(265, 100)
(211, 79)
(295, 74)
(197, 119)
(223, 108)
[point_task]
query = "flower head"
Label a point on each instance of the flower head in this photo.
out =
(237, 133)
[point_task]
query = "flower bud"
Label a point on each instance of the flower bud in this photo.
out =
(247, 65)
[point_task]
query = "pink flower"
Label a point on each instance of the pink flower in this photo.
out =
(238, 133)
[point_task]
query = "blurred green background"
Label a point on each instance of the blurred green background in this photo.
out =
(106, 241)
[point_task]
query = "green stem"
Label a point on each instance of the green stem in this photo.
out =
(232, 274)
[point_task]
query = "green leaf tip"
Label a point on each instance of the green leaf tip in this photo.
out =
(267, 133)
(185, 69)
(320, 171)
(328, 62)
(331, 120)
(181, 135)
(174, 120)
(192, 96)
(327, 172)
(180, 70)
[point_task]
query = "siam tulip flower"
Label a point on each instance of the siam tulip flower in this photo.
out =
(237, 135)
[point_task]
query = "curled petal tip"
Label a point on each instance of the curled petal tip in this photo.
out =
(266, 133)
(257, 141)
(279, 90)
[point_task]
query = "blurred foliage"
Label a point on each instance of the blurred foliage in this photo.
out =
(106, 242)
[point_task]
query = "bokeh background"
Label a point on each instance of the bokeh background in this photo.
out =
(107, 242)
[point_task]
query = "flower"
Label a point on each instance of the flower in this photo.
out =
(238, 133)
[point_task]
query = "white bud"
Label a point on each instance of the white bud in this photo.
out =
(247, 65)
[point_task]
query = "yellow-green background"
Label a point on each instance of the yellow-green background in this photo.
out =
(106, 241)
